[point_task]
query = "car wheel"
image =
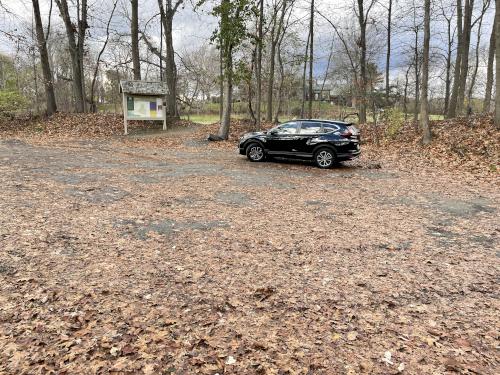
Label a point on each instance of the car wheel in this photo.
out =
(324, 158)
(255, 152)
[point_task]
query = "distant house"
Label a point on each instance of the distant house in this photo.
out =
(328, 93)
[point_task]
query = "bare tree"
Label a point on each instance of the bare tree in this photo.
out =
(76, 47)
(452, 109)
(167, 14)
(479, 20)
(497, 48)
(258, 67)
(464, 60)
(311, 59)
(450, 40)
(134, 31)
(363, 20)
(276, 31)
(489, 74)
(50, 97)
(388, 54)
(93, 106)
(424, 107)
(306, 58)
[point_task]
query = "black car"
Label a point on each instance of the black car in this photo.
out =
(326, 142)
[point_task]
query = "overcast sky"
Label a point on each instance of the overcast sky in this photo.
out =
(193, 29)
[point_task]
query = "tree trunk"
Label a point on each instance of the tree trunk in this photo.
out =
(134, 30)
(280, 87)
(388, 55)
(258, 68)
(311, 58)
(228, 96)
(497, 48)
(405, 95)
(50, 97)
(476, 67)
(82, 27)
(452, 110)
(448, 68)
(424, 108)
(416, 107)
(250, 90)
(75, 56)
(275, 37)
(489, 74)
(464, 62)
(167, 16)
(362, 62)
(306, 57)
(221, 84)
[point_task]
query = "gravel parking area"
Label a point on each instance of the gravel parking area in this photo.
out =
(120, 259)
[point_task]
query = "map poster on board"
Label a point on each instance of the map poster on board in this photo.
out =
(144, 108)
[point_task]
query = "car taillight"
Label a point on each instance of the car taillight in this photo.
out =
(346, 134)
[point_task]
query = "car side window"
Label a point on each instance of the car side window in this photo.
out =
(287, 128)
(330, 128)
(310, 128)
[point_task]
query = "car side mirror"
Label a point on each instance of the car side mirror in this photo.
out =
(273, 132)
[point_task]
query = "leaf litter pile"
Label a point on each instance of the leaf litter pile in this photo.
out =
(160, 255)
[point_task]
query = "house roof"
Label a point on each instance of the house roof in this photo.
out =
(144, 87)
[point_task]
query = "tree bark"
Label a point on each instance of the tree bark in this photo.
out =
(275, 37)
(388, 54)
(228, 96)
(250, 88)
(74, 50)
(452, 110)
(464, 62)
(306, 57)
(50, 97)
(167, 15)
(476, 67)
(497, 52)
(134, 30)
(489, 74)
(311, 60)
(258, 68)
(362, 61)
(221, 84)
(405, 95)
(416, 107)
(448, 63)
(280, 87)
(424, 107)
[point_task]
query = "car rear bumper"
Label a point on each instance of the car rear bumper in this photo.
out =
(242, 150)
(348, 155)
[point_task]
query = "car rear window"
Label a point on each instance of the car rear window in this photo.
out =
(310, 128)
(330, 128)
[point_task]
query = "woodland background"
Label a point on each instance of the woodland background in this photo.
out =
(391, 61)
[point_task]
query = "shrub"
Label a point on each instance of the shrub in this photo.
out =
(12, 102)
(394, 121)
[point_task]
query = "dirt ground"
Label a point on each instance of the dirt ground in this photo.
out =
(127, 258)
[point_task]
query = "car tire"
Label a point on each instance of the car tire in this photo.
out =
(325, 158)
(255, 152)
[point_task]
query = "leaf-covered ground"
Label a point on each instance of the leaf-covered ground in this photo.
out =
(170, 255)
